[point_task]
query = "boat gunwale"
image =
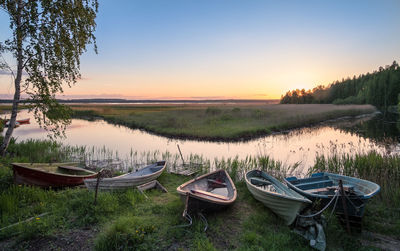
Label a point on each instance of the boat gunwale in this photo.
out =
(91, 173)
(118, 178)
(376, 189)
(208, 199)
(284, 196)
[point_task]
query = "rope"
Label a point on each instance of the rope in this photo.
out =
(334, 207)
(204, 220)
(323, 209)
(187, 217)
(356, 207)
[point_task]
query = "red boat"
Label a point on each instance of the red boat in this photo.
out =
(20, 121)
(23, 121)
(50, 175)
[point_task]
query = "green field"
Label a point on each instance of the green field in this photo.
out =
(219, 122)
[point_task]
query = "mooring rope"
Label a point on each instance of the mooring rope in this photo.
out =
(187, 217)
(335, 196)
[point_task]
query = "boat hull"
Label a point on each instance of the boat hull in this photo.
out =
(315, 189)
(286, 205)
(124, 182)
(30, 176)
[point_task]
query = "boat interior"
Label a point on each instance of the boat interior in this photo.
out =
(145, 171)
(323, 185)
(215, 186)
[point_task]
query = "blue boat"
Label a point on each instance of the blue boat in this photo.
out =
(323, 187)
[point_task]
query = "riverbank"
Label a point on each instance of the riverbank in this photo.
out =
(228, 122)
(128, 220)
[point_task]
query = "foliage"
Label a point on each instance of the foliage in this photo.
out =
(380, 88)
(48, 39)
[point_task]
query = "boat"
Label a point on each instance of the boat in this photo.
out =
(50, 174)
(20, 121)
(23, 121)
(17, 124)
(209, 192)
(282, 200)
(323, 187)
(129, 180)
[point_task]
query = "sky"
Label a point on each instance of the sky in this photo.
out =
(223, 49)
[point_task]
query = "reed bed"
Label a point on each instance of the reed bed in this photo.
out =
(223, 122)
(383, 169)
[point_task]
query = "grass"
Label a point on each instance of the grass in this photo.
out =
(126, 220)
(383, 213)
(222, 122)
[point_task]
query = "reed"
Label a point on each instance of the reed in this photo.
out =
(223, 122)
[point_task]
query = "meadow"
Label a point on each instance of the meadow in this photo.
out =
(226, 122)
(127, 220)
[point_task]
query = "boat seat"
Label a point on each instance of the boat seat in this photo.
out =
(259, 181)
(296, 181)
(346, 188)
(315, 184)
(213, 195)
(216, 183)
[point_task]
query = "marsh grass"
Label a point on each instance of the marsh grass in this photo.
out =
(224, 122)
(247, 225)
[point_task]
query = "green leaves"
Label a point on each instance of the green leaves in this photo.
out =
(48, 39)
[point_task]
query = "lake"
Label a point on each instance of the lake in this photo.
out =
(298, 146)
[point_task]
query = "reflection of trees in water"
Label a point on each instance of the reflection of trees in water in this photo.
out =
(381, 130)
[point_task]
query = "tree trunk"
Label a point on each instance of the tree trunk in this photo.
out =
(17, 84)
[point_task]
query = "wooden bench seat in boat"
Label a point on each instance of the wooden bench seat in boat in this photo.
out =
(217, 196)
(216, 183)
(315, 184)
(314, 178)
(346, 188)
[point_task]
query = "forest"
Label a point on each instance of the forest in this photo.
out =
(380, 88)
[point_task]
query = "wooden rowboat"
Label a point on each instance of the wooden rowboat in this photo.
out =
(23, 121)
(129, 180)
(209, 192)
(324, 186)
(20, 121)
(50, 174)
(283, 201)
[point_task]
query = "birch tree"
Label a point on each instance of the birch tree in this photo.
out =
(48, 38)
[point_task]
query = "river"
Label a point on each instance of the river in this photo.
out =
(298, 146)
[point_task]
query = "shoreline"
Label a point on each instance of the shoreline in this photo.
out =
(242, 138)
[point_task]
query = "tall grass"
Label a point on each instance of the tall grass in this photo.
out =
(225, 122)
(381, 169)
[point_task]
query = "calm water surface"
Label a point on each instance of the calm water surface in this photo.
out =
(297, 146)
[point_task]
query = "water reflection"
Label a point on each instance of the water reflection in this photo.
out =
(294, 147)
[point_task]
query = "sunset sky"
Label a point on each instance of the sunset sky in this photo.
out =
(197, 49)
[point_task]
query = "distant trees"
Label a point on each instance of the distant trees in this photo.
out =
(380, 88)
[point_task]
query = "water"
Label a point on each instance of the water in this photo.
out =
(296, 147)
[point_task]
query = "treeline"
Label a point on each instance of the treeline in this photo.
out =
(380, 88)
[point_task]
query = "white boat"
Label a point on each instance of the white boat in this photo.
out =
(283, 201)
(129, 180)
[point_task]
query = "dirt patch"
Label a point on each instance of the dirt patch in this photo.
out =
(380, 241)
(73, 240)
